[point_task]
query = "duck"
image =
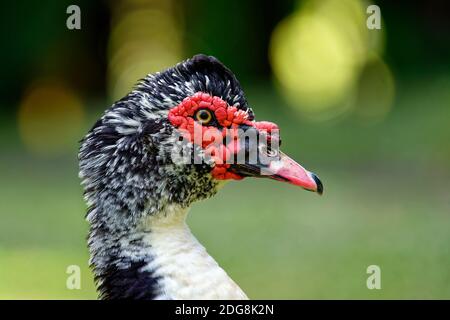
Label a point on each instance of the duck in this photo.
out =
(175, 139)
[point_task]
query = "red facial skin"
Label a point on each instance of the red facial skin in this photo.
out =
(229, 117)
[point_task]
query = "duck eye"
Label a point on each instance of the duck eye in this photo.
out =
(203, 116)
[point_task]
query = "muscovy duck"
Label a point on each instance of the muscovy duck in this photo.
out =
(175, 139)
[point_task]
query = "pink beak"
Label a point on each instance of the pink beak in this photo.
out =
(287, 170)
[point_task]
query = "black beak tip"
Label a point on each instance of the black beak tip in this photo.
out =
(318, 183)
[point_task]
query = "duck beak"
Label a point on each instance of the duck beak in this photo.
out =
(282, 168)
(287, 170)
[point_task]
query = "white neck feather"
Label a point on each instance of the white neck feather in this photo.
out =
(186, 270)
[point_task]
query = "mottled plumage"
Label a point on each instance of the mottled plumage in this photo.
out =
(128, 175)
(138, 196)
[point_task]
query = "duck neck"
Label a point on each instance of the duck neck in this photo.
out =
(159, 258)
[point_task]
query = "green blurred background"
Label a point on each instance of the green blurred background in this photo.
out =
(368, 110)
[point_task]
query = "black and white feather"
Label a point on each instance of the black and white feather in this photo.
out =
(132, 188)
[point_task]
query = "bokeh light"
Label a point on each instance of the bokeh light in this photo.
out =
(376, 91)
(50, 118)
(318, 53)
(145, 38)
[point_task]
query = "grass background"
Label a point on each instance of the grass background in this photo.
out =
(386, 203)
